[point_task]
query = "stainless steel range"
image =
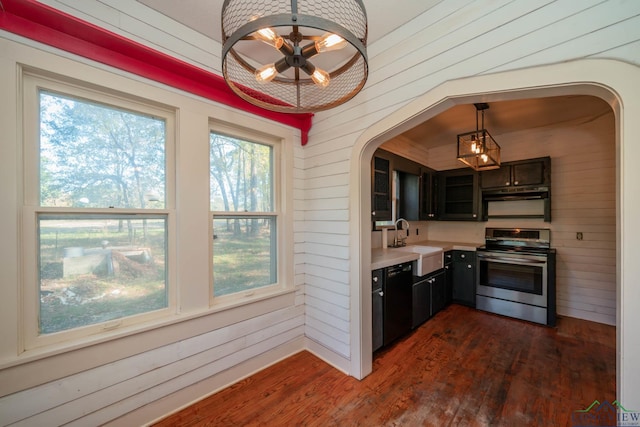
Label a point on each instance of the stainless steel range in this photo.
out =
(516, 274)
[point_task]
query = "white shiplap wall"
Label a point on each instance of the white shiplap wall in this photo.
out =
(453, 40)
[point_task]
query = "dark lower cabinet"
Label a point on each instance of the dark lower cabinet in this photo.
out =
(448, 276)
(438, 292)
(421, 303)
(464, 277)
(429, 296)
(377, 307)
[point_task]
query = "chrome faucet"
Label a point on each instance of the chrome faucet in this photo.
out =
(400, 241)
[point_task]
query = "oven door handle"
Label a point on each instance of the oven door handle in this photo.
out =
(509, 259)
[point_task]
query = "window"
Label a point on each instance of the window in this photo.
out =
(245, 218)
(96, 210)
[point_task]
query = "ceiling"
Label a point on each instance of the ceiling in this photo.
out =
(384, 16)
(509, 116)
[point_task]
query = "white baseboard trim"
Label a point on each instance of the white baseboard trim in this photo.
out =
(339, 362)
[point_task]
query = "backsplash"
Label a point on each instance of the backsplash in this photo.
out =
(420, 226)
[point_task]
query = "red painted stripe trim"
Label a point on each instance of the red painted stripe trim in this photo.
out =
(47, 25)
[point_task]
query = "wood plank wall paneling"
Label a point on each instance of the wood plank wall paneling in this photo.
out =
(583, 175)
(157, 372)
(148, 27)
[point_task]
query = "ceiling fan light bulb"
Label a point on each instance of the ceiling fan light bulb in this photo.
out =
(266, 73)
(320, 77)
(330, 42)
(270, 37)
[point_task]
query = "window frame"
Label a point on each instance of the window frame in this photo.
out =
(33, 81)
(278, 186)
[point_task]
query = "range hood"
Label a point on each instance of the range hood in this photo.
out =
(515, 193)
(525, 202)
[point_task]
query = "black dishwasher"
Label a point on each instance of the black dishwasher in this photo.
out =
(398, 291)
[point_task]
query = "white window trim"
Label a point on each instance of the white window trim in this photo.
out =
(32, 82)
(189, 253)
(282, 283)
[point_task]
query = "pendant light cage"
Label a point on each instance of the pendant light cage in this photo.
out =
(477, 149)
(293, 29)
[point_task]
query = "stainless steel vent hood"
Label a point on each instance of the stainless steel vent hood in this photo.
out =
(515, 193)
(525, 202)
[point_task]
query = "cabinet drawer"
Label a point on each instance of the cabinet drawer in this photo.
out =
(464, 256)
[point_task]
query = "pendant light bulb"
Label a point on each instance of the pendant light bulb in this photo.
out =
(320, 77)
(330, 42)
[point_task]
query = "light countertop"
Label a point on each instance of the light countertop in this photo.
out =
(385, 257)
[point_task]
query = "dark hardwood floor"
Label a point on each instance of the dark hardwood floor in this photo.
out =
(461, 368)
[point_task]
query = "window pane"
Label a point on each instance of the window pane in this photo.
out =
(241, 175)
(97, 156)
(244, 253)
(96, 268)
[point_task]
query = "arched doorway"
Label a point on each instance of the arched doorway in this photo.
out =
(609, 80)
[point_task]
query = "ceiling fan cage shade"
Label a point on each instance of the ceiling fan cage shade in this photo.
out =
(287, 36)
(478, 150)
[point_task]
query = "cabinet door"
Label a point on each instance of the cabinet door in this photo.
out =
(438, 292)
(520, 173)
(496, 177)
(459, 195)
(448, 274)
(428, 196)
(408, 196)
(421, 302)
(464, 278)
(531, 173)
(381, 190)
(376, 319)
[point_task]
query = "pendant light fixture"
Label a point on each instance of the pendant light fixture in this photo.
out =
(294, 55)
(477, 149)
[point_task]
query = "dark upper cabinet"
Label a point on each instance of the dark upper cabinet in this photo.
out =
(459, 195)
(388, 169)
(452, 195)
(381, 189)
(408, 196)
(428, 194)
(496, 178)
(520, 173)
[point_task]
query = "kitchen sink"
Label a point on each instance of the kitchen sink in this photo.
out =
(430, 258)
